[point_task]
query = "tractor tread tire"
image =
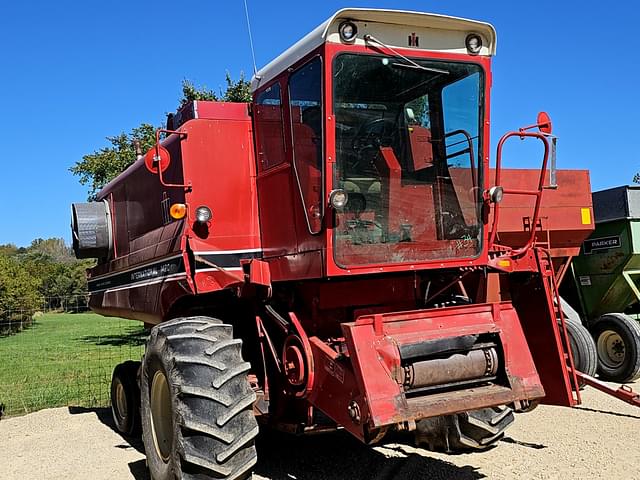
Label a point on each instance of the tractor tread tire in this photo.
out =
(474, 430)
(212, 401)
(629, 331)
(126, 374)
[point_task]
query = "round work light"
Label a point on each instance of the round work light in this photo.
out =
(473, 43)
(203, 214)
(496, 194)
(347, 31)
(338, 198)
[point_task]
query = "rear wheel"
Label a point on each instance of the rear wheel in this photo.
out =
(583, 348)
(474, 430)
(197, 405)
(125, 398)
(617, 339)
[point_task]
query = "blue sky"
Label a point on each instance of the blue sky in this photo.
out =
(73, 73)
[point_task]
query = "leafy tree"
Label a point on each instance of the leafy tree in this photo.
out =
(52, 247)
(19, 295)
(100, 167)
(9, 249)
(190, 93)
(239, 91)
(60, 276)
(54, 272)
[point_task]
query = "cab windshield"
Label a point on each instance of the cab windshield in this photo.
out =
(408, 137)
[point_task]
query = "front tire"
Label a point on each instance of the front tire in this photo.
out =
(617, 339)
(474, 430)
(197, 405)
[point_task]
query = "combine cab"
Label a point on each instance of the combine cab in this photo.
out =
(326, 256)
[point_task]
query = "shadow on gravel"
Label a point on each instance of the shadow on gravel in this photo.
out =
(336, 455)
(607, 412)
(130, 339)
(104, 415)
(536, 446)
(341, 457)
(138, 468)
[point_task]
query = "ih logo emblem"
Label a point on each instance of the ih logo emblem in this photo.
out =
(414, 40)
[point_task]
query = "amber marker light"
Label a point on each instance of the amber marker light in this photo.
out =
(178, 211)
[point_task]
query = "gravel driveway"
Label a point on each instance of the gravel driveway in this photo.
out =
(596, 440)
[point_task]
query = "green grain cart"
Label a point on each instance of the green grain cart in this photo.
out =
(606, 280)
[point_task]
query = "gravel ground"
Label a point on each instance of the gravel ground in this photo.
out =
(596, 440)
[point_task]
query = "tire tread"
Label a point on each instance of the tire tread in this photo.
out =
(212, 398)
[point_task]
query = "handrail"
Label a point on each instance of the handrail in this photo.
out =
(538, 194)
(469, 140)
(157, 158)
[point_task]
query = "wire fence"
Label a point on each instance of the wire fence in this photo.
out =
(62, 355)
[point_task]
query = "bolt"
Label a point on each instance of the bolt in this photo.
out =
(354, 411)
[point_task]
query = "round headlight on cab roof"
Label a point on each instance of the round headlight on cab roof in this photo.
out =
(347, 31)
(473, 43)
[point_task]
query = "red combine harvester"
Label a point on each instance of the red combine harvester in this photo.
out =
(326, 256)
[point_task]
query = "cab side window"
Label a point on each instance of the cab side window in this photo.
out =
(305, 103)
(269, 127)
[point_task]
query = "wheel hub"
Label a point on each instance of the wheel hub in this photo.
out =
(611, 349)
(121, 401)
(161, 416)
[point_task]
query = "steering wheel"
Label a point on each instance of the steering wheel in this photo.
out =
(373, 133)
(366, 144)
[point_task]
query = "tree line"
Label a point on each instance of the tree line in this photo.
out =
(43, 276)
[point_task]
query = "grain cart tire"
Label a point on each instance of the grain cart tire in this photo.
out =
(197, 404)
(474, 430)
(617, 339)
(583, 348)
(125, 398)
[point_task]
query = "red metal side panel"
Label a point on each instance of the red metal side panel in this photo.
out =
(221, 111)
(219, 163)
(533, 301)
(566, 213)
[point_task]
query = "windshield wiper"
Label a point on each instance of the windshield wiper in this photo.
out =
(410, 64)
(419, 67)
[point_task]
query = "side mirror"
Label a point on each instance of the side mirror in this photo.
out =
(544, 123)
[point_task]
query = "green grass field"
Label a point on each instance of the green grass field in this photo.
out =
(65, 359)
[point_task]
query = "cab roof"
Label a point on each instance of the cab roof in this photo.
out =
(393, 27)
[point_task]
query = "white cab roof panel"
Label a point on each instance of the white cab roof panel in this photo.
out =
(393, 27)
